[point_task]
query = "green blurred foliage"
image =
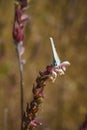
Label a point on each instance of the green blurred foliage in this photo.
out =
(65, 101)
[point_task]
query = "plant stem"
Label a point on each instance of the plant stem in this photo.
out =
(21, 83)
(6, 119)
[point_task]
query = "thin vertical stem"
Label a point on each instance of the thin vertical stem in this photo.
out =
(6, 119)
(21, 82)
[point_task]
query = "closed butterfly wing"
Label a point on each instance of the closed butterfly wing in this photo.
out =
(56, 60)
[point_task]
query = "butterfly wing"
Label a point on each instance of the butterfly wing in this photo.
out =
(56, 60)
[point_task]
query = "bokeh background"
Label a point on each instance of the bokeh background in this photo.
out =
(65, 103)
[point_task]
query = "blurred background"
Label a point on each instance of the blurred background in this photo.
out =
(65, 103)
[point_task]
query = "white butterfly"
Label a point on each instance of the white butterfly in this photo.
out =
(56, 61)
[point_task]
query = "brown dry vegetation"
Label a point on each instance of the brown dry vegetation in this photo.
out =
(65, 101)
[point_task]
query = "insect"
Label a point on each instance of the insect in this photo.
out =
(56, 60)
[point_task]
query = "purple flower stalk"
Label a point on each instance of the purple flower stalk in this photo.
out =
(50, 73)
(29, 118)
(19, 23)
(18, 35)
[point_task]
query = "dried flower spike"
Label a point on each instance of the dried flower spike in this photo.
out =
(51, 72)
(20, 19)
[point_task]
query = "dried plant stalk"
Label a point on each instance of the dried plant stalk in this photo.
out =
(18, 35)
(29, 118)
(51, 72)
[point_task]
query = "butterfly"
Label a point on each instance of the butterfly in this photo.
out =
(56, 60)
